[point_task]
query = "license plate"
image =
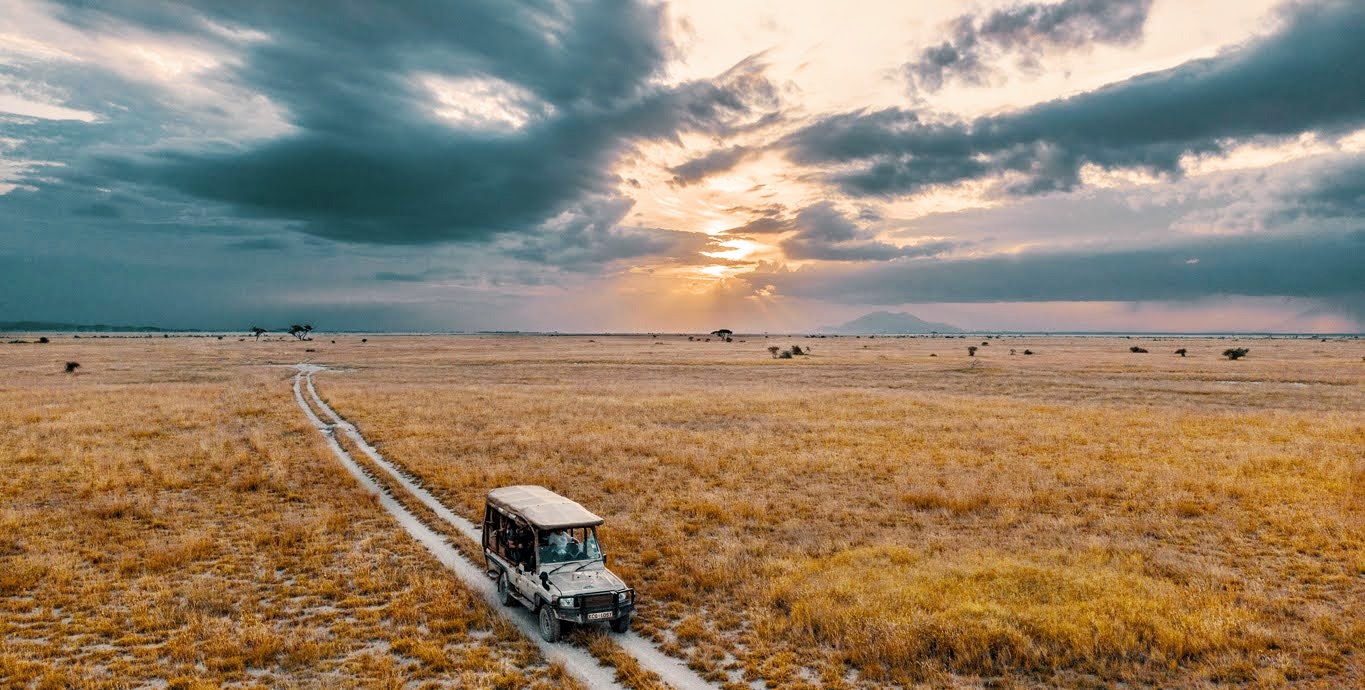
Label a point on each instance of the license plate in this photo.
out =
(599, 616)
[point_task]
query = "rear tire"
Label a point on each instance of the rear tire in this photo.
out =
(505, 591)
(621, 625)
(549, 625)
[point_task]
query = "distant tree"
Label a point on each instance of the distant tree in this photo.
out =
(785, 354)
(1011, 350)
(258, 332)
(1028, 352)
(1181, 352)
(971, 350)
(71, 367)
(1235, 352)
(1136, 349)
(773, 350)
(44, 340)
(984, 343)
(364, 340)
(722, 333)
(300, 332)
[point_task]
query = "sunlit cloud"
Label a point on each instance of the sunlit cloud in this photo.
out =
(10, 103)
(772, 164)
(483, 103)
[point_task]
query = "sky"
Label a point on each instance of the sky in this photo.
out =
(608, 165)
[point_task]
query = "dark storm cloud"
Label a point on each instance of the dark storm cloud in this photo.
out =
(763, 225)
(823, 232)
(1313, 266)
(1336, 192)
(395, 277)
(590, 235)
(764, 220)
(259, 244)
(714, 162)
(1025, 31)
(1309, 76)
(368, 161)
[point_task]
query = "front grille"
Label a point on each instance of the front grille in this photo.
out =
(598, 601)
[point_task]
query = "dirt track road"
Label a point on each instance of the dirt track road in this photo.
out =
(577, 661)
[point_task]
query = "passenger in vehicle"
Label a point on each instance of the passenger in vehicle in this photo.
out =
(520, 548)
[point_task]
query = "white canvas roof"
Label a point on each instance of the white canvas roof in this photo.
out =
(541, 507)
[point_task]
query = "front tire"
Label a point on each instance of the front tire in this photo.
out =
(549, 624)
(621, 625)
(505, 590)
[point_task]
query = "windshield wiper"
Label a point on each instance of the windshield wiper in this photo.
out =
(557, 567)
(584, 564)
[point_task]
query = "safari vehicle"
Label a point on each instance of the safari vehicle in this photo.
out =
(543, 550)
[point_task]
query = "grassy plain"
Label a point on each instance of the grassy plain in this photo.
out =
(866, 516)
(873, 515)
(168, 519)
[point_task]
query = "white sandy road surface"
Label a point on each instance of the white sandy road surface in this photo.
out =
(576, 661)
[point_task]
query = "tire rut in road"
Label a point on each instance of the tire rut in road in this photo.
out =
(577, 662)
(673, 671)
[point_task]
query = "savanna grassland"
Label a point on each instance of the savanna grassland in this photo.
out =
(168, 519)
(866, 516)
(873, 515)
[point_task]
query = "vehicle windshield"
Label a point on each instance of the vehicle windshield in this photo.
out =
(577, 544)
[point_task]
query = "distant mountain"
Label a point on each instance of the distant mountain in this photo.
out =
(890, 323)
(52, 326)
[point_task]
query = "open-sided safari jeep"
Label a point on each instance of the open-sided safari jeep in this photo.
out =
(544, 551)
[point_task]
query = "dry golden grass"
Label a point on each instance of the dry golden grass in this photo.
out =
(865, 516)
(873, 515)
(167, 517)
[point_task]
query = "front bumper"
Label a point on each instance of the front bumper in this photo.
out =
(594, 614)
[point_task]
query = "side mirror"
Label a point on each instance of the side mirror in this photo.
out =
(545, 580)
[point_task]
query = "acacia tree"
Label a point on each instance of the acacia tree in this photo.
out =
(971, 350)
(723, 334)
(773, 350)
(1235, 352)
(258, 331)
(300, 332)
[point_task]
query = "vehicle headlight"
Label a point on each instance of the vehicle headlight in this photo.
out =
(623, 598)
(566, 603)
